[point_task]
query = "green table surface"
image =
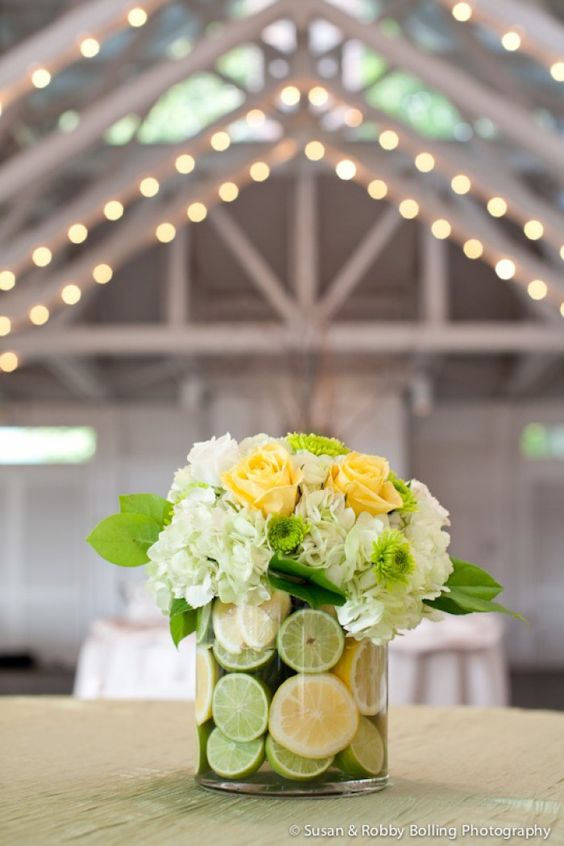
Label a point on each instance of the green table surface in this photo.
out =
(119, 772)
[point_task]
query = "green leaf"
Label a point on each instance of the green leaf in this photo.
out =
(469, 589)
(307, 583)
(182, 621)
(124, 539)
(150, 505)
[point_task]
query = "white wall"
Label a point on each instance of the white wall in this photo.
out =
(52, 585)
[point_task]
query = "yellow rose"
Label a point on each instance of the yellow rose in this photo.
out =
(266, 480)
(363, 481)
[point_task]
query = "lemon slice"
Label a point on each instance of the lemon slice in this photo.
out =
(226, 627)
(207, 674)
(362, 667)
(364, 758)
(313, 716)
(259, 624)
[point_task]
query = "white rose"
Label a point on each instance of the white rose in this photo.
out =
(210, 459)
(315, 468)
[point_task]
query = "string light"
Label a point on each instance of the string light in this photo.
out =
(71, 294)
(137, 16)
(533, 229)
(220, 141)
(441, 228)
(562, 309)
(8, 279)
(345, 169)
(462, 12)
(388, 139)
(41, 256)
(497, 207)
(77, 233)
(377, 189)
(557, 71)
(537, 289)
(5, 326)
(89, 47)
(314, 151)
(40, 77)
(255, 117)
(511, 40)
(353, 118)
(290, 95)
(409, 209)
(102, 274)
(505, 268)
(39, 315)
(8, 362)
(318, 96)
(196, 212)
(113, 210)
(165, 232)
(149, 186)
(228, 192)
(460, 183)
(561, 256)
(185, 163)
(259, 171)
(473, 249)
(425, 162)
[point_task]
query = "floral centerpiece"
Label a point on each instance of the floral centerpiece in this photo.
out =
(295, 560)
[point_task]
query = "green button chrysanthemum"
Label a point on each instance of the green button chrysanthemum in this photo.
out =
(285, 534)
(316, 444)
(392, 557)
(409, 498)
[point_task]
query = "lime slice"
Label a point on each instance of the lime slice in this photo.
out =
(234, 760)
(313, 716)
(226, 627)
(362, 667)
(310, 641)
(240, 707)
(202, 735)
(203, 624)
(207, 674)
(259, 624)
(246, 660)
(291, 766)
(364, 758)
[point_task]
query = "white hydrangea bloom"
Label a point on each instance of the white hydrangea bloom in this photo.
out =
(315, 468)
(210, 459)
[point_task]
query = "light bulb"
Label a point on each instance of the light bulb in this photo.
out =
(290, 95)
(353, 117)
(40, 77)
(8, 362)
(345, 169)
(314, 150)
(113, 210)
(425, 162)
(255, 117)
(8, 280)
(533, 229)
(505, 269)
(41, 256)
(137, 16)
(557, 71)
(5, 326)
(77, 233)
(409, 209)
(259, 171)
(473, 248)
(497, 206)
(220, 141)
(71, 294)
(441, 228)
(377, 189)
(537, 289)
(228, 192)
(89, 47)
(511, 41)
(149, 186)
(185, 163)
(389, 139)
(39, 315)
(102, 273)
(562, 308)
(462, 12)
(196, 212)
(460, 183)
(165, 232)
(318, 96)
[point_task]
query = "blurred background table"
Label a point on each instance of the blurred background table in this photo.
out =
(118, 772)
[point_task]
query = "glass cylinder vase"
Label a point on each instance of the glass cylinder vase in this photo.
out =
(287, 703)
